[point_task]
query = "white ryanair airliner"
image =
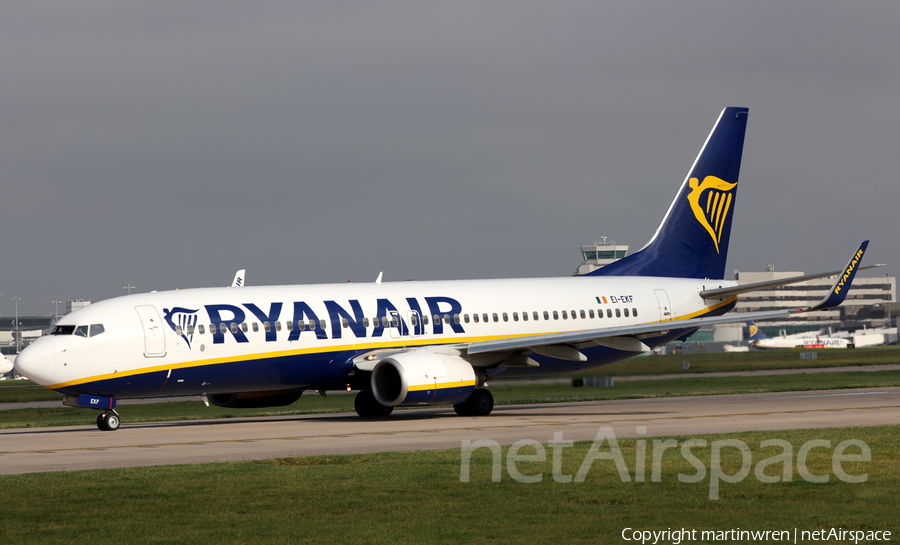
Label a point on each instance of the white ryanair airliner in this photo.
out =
(414, 343)
(800, 340)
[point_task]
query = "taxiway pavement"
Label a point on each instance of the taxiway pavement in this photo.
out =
(147, 444)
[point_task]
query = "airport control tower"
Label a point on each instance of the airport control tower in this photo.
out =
(599, 254)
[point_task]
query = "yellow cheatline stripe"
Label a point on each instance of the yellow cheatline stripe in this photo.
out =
(389, 343)
(441, 386)
(707, 310)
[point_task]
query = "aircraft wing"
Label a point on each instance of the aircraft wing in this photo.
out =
(745, 288)
(629, 337)
(602, 336)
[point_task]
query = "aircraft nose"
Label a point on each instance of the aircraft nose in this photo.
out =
(38, 361)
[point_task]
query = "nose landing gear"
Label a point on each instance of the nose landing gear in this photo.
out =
(108, 421)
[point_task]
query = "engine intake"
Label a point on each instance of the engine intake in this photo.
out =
(419, 378)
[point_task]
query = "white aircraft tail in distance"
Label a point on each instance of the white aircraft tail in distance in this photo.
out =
(415, 343)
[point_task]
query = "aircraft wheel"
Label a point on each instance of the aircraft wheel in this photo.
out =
(364, 404)
(112, 420)
(382, 410)
(108, 422)
(481, 402)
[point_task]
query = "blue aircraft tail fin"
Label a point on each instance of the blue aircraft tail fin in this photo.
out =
(692, 239)
(755, 333)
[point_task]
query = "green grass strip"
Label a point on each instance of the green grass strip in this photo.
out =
(417, 497)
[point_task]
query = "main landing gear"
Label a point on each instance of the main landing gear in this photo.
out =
(108, 421)
(367, 406)
(481, 403)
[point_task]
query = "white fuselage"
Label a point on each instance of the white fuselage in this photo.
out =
(219, 340)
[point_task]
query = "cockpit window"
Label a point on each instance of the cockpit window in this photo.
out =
(81, 331)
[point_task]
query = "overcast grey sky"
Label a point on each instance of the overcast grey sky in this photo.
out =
(167, 144)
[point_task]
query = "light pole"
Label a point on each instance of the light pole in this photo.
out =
(17, 299)
(129, 287)
(57, 302)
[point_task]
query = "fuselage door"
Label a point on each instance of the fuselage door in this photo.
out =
(665, 308)
(154, 335)
(416, 327)
(396, 324)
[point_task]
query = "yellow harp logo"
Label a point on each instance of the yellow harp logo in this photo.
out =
(712, 209)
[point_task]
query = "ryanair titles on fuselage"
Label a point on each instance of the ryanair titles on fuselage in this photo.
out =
(225, 319)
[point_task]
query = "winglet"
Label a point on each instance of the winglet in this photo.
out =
(842, 285)
(238, 281)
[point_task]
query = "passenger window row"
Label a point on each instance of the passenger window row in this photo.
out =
(566, 315)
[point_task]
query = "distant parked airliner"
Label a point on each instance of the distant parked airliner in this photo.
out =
(801, 340)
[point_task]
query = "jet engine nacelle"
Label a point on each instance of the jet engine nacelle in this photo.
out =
(254, 400)
(421, 378)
